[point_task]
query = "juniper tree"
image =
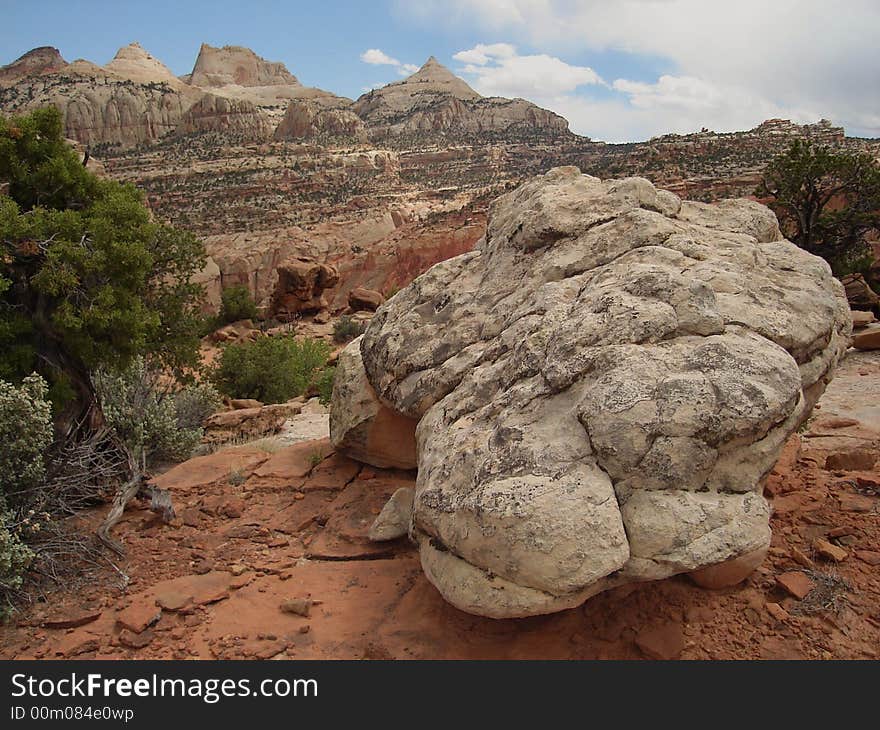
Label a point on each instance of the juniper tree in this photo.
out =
(826, 202)
(87, 279)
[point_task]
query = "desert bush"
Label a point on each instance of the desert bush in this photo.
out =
(270, 369)
(345, 329)
(194, 403)
(15, 558)
(153, 420)
(323, 384)
(25, 436)
(236, 303)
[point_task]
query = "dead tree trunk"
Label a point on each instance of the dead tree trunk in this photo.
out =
(137, 486)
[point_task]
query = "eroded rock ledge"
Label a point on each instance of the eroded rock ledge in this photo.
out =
(600, 389)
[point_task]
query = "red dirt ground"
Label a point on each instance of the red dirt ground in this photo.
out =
(255, 529)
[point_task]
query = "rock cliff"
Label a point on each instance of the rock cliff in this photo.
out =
(135, 63)
(313, 121)
(237, 66)
(43, 60)
(219, 114)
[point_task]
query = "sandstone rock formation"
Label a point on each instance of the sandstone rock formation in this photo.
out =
(43, 60)
(600, 389)
(859, 293)
(238, 73)
(134, 62)
(239, 66)
(309, 120)
(134, 100)
(361, 425)
(867, 338)
(393, 521)
(434, 101)
(248, 423)
(360, 299)
(300, 288)
(219, 114)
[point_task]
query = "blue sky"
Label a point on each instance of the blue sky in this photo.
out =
(618, 71)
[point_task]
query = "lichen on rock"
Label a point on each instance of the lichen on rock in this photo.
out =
(600, 389)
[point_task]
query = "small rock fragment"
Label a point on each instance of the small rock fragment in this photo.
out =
(138, 616)
(133, 640)
(851, 460)
(661, 642)
(795, 583)
(72, 621)
(829, 551)
(870, 557)
(394, 519)
(856, 503)
(778, 612)
(173, 601)
(801, 558)
(298, 606)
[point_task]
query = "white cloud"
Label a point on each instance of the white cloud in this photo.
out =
(481, 53)
(498, 70)
(672, 105)
(791, 56)
(376, 57)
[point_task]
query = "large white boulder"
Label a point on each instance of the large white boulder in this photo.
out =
(600, 389)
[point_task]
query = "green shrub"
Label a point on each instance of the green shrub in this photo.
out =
(15, 559)
(323, 384)
(270, 369)
(236, 303)
(25, 436)
(151, 420)
(346, 329)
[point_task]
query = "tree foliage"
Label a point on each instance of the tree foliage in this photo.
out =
(87, 279)
(270, 369)
(826, 202)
